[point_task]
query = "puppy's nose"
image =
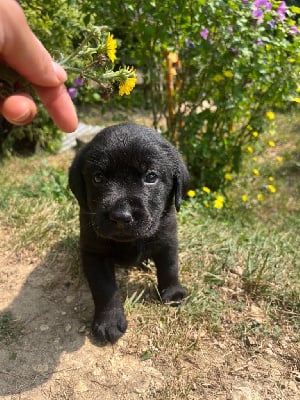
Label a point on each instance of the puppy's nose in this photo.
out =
(121, 216)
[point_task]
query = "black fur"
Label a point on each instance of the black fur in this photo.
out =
(127, 181)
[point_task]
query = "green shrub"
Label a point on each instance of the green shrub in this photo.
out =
(239, 60)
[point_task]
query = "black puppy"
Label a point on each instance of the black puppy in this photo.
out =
(126, 181)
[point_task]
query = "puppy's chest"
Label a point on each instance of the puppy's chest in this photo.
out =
(129, 254)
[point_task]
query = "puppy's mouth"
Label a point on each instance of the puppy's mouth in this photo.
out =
(122, 231)
(122, 235)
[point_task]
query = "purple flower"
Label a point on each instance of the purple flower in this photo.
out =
(230, 29)
(271, 24)
(263, 3)
(189, 43)
(72, 92)
(268, 5)
(294, 30)
(204, 33)
(259, 43)
(78, 82)
(281, 10)
(258, 14)
(234, 51)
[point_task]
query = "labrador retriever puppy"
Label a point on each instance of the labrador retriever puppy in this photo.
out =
(127, 181)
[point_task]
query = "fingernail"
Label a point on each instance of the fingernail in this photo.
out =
(60, 72)
(24, 118)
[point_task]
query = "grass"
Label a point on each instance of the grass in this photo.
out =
(232, 261)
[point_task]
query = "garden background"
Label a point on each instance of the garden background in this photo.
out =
(221, 80)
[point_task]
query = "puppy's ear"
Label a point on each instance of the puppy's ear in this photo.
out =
(76, 179)
(180, 181)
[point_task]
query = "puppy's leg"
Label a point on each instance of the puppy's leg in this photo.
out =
(109, 320)
(166, 261)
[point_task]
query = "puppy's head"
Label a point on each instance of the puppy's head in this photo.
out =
(127, 178)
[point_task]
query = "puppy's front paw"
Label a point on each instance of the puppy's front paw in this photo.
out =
(173, 295)
(109, 326)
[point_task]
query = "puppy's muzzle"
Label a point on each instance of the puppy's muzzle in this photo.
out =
(120, 215)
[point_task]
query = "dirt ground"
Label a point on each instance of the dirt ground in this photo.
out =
(51, 355)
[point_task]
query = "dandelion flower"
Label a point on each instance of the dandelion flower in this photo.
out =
(250, 149)
(271, 188)
(228, 176)
(255, 134)
(260, 197)
(127, 86)
(279, 159)
(111, 47)
(219, 202)
(245, 198)
(255, 171)
(270, 115)
(296, 99)
(228, 74)
(271, 179)
(271, 143)
(206, 189)
(218, 78)
(191, 193)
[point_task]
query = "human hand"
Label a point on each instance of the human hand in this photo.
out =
(22, 51)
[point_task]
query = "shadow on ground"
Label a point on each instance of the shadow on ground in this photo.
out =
(48, 317)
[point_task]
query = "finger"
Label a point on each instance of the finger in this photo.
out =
(18, 109)
(60, 106)
(21, 49)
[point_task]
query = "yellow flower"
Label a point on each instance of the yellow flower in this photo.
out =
(254, 158)
(291, 59)
(250, 149)
(260, 197)
(268, 47)
(245, 198)
(279, 159)
(228, 73)
(271, 143)
(296, 99)
(272, 188)
(127, 86)
(218, 78)
(271, 179)
(219, 202)
(191, 193)
(206, 189)
(270, 115)
(255, 134)
(298, 89)
(255, 171)
(111, 47)
(228, 176)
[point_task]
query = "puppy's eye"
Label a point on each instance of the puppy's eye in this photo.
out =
(150, 177)
(98, 178)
